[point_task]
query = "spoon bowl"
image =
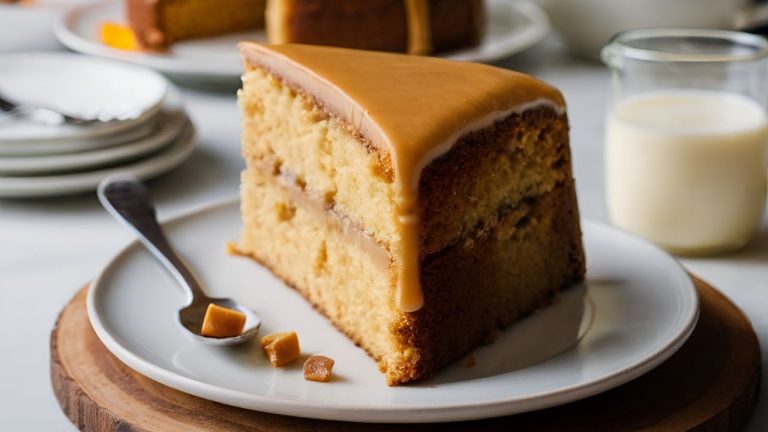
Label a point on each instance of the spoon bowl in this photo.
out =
(127, 199)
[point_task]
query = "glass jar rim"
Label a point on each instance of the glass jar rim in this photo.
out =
(620, 45)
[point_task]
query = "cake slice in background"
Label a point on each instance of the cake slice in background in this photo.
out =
(159, 23)
(420, 204)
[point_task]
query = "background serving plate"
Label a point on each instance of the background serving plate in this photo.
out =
(153, 165)
(80, 86)
(513, 26)
(67, 153)
(644, 306)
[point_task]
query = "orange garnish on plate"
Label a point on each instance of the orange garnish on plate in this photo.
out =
(118, 36)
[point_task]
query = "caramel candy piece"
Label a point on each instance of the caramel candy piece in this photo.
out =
(221, 322)
(281, 348)
(318, 368)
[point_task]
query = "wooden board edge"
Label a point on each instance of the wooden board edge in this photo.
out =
(80, 408)
(87, 415)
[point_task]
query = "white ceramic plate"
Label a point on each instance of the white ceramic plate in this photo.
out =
(167, 114)
(164, 131)
(77, 85)
(513, 26)
(67, 184)
(644, 308)
(166, 127)
(74, 145)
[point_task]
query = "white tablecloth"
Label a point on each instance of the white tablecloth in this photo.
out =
(51, 248)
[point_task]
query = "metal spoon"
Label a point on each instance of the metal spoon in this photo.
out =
(127, 199)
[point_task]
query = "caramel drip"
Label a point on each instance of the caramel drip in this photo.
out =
(419, 29)
(414, 107)
(276, 14)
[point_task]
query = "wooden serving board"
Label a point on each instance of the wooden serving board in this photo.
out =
(711, 384)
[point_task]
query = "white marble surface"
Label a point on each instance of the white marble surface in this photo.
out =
(51, 248)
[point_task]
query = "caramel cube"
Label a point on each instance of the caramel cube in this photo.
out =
(281, 348)
(318, 368)
(221, 322)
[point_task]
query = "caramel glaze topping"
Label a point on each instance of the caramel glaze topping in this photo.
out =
(414, 107)
(419, 29)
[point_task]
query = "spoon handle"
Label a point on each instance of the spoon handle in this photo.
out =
(127, 199)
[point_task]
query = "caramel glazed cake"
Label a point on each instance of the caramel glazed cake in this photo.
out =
(420, 204)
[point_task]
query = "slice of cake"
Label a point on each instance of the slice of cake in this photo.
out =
(420, 204)
(412, 26)
(159, 23)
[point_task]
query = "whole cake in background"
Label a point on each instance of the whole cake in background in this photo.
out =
(412, 26)
(420, 204)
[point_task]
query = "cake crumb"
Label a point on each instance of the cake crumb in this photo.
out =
(281, 348)
(232, 249)
(318, 368)
(470, 361)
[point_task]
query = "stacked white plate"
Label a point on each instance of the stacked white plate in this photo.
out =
(150, 135)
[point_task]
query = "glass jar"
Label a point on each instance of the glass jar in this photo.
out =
(686, 135)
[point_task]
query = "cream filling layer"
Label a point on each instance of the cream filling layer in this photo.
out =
(333, 218)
